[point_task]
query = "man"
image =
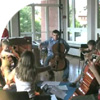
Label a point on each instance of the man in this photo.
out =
(49, 44)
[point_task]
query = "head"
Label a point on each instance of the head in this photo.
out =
(91, 44)
(55, 34)
(26, 66)
(5, 44)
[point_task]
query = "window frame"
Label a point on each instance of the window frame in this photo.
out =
(97, 30)
(46, 20)
(74, 29)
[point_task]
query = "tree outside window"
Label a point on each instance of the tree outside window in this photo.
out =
(26, 20)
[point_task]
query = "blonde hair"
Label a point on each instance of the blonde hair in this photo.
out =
(26, 70)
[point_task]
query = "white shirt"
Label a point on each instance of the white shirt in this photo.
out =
(25, 86)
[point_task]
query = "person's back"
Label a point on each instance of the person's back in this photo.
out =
(26, 72)
(25, 86)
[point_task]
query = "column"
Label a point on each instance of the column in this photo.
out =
(91, 20)
(14, 22)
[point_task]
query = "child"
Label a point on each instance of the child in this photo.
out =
(6, 59)
(87, 52)
(91, 46)
(94, 72)
(25, 73)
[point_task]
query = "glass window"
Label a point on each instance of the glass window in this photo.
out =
(77, 36)
(80, 13)
(39, 21)
(81, 37)
(77, 20)
(26, 19)
(69, 13)
(98, 15)
(70, 36)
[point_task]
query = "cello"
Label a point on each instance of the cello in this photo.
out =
(59, 52)
(89, 85)
(59, 49)
(59, 57)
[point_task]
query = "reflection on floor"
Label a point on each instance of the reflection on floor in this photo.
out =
(73, 72)
(74, 68)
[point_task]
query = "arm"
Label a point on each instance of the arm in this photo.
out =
(66, 46)
(45, 68)
(89, 56)
(6, 53)
(42, 69)
(14, 53)
(44, 44)
(11, 76)
(84, 49)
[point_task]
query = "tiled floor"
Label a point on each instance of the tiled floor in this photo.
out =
(73, 70)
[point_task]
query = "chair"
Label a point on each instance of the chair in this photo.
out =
(6, 95)
(82, 56)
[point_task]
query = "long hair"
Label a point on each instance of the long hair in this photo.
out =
(26, 70)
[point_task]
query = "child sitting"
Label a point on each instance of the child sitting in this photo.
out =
(87, 52)
(26, 72)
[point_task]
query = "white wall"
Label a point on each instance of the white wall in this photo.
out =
(91, 20)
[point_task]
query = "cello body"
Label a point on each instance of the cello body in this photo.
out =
(59, 57)
(89, 84)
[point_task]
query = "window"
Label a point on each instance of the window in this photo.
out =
(98, 14)
(80, 13)
(39, 22)
(25, 20)
(77, 21)
(39, 19)
(70, 36)
(70, 13)
(97, 18)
